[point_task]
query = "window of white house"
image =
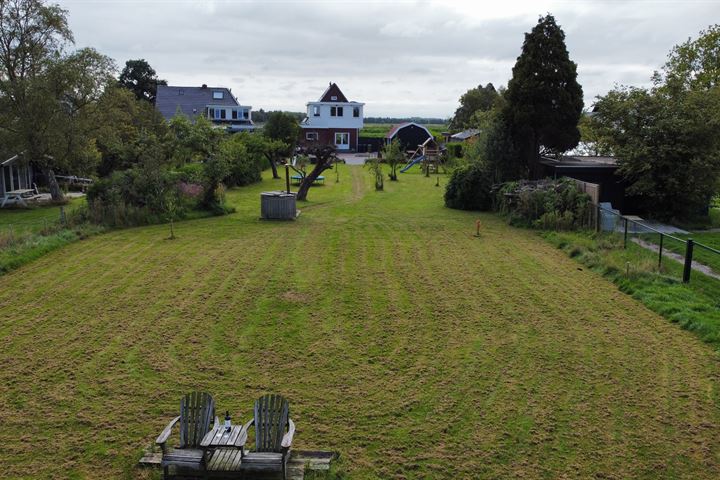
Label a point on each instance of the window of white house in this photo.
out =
(316, 111)
(246, 114)
(333, 111)
(218, 95)
(356, 112)
(234, 114)
(339, 111)
(222, 113)
(333, 98)
(311, 136)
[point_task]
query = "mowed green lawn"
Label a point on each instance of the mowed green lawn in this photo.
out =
(403, 342)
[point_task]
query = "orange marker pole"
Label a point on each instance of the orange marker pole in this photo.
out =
(477, 227)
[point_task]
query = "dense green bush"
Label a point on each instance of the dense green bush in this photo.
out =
(470, 188)
(244, 166)
(191, 173)
(544, 204)
(137, 196)
(455, 149)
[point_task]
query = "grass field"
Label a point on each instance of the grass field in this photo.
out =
(32, 220)
(704, 256)
(411, 347)
(379, 130)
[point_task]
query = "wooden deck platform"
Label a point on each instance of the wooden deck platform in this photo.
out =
(300, 461)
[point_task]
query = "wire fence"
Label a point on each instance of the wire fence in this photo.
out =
(665, 244)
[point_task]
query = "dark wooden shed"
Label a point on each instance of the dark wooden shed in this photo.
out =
(410, 135)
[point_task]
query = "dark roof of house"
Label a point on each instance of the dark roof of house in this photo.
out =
(465, 134)
(333, 91)
(396, 128)
(191, 100)
(581, 161)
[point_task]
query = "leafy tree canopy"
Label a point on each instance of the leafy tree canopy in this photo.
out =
(694, 64)
(478, 99)
(141, 79)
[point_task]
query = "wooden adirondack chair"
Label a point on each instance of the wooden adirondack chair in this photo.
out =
(197, 410)
(272, 442)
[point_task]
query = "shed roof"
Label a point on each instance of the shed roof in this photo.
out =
(581, 161)
(465, 134)
(191, 100)
(396, 128)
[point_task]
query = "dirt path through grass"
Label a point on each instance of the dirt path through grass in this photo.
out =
(403, 342)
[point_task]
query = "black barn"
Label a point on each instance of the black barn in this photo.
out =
(410, 135)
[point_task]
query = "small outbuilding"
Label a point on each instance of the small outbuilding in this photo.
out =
(16, 174)
(409, 134)
(465, 135)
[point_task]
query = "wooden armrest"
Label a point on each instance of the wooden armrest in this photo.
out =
(166, 433)
(240, 442)
(287, 438)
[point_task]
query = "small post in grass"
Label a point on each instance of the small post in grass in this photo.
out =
(287, 177)
(477, 227)
(688, 260)
(626, 230)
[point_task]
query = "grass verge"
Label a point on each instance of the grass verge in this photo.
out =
(694, 306)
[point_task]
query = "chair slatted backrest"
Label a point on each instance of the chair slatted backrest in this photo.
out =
(271, 419)
(197, 410)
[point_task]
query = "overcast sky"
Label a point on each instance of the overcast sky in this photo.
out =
(406, 58)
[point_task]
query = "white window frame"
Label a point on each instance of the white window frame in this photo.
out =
(347, 136)
(316, 110)
(311, 136)
(356, 112)
(218, 95)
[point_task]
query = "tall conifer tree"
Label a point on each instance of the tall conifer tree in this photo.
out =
(544, 99)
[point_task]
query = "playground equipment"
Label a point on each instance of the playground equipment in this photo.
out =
(428, 154)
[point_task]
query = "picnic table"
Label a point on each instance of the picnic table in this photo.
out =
(225, 448)
(18, 196)
(298, 178)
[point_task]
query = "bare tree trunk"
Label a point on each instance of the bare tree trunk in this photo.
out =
(55, 192)
(310, 179)
(273, 165)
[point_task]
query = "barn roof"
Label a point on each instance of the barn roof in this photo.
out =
(396, 128)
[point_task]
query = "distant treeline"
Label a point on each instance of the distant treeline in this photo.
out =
(394, 120)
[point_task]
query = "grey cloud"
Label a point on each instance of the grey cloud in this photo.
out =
(401, 58)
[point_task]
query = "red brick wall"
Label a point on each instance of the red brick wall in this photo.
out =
(326, 136)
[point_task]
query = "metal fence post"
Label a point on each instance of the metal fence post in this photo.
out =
(63, 220)
(660, 251)
(626, 229)
(597, 218)
(688, 260)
